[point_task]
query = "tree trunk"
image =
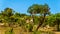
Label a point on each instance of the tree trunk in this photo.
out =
(57, 26)
(41, 22)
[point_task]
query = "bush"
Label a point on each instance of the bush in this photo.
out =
(40, 32)
(9, 31)
(29, 27)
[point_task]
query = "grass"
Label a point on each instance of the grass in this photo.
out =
(18, 30)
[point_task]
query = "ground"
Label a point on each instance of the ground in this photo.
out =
(16, 30)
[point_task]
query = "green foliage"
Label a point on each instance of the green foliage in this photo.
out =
(7, 12)
(38, 9)
(51, 20)
(29, 27)
(9, 16)
(36, 20)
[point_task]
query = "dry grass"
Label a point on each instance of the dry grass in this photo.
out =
(17, 30)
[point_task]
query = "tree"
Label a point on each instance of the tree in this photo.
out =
(8, 12)
(33, 10)
(43, 10)
(54, 20)
(57, 21)
(51, 20)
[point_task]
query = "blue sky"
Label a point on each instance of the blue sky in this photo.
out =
(22, 5)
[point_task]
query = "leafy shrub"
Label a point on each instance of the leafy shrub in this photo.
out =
(9, 31)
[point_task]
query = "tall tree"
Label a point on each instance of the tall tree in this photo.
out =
(8, 12)
(33, 10)
(57, 21)
(54, 20)
(43, 10)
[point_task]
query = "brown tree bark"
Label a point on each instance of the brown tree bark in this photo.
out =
(41, 22)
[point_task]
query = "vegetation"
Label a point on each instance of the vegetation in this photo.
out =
(10, 18)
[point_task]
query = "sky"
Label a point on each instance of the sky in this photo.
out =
(21, 6)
